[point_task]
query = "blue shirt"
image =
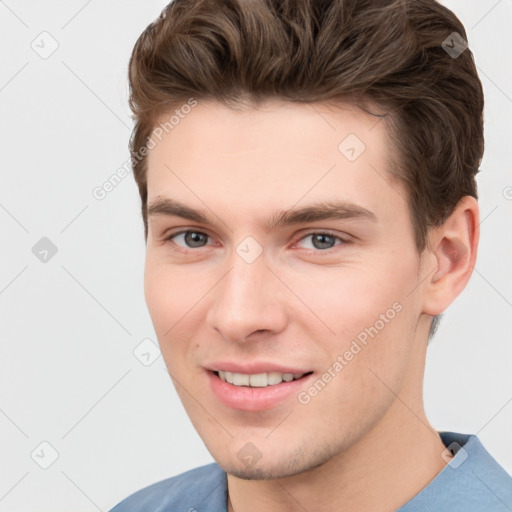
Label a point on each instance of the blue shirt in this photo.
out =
(471, 481)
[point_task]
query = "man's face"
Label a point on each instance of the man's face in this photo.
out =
(332, 299)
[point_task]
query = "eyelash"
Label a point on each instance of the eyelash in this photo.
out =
(179, 248)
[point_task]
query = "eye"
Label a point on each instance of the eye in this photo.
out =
(322, 240)
(318, 240)
(189, 239)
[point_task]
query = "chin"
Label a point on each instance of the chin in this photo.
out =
(284, 465)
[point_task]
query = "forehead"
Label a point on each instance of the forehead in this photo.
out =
(274, 153)
(274, 127)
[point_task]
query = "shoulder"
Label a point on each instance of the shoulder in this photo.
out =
(200, 489)
(471, 481)
(478, 467)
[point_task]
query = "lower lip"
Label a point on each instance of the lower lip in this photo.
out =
(245, 398)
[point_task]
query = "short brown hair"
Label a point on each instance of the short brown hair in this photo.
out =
(393, 54)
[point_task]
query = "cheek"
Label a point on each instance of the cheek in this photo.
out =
(380, 348)
(169, 291)
(160, 296)
(350, 299)
(170, 298)
(372, 314)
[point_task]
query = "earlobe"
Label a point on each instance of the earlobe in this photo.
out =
(453, 247)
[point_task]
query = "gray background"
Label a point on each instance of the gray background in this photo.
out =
(71, 323)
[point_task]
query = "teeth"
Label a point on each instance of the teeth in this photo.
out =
(240, 379)
(257, 380)
(274, 378)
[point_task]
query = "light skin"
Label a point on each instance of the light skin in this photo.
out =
(363, 442)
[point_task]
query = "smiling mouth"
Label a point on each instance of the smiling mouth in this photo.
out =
(258, 380)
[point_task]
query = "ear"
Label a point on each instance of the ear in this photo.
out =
(451, 253)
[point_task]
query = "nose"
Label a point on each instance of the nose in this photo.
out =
(248, 302)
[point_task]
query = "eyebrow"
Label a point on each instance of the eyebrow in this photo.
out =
(322, 210)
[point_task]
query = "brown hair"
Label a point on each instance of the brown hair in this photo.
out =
(393, 54)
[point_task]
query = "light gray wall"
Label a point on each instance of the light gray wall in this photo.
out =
(70, 325)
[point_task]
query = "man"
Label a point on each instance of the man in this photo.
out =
(307, 175)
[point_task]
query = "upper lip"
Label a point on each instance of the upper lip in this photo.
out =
(253, 368)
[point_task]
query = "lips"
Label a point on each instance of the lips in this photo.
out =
(255, 387)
